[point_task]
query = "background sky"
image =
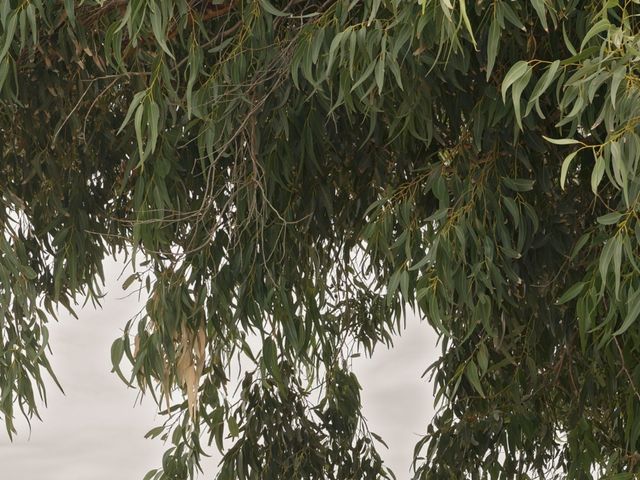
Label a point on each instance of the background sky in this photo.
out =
(96, 430)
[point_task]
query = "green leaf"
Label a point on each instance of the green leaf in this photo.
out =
(600, 26)
(609, 218)
(137, 98)
(467, 22)
(605, 260)
(9, 34)
(584, 322)
(379, 439)
(617, 264)
(394, 281)
(493, 44)
(234, 429)
(633, 310)
(504, 9)
(117, 351)
(578, 105)
(269, 355)
(567, 42)
(395, 70)
(483, 358)
(543, 84)
(154, 123)
(4, 71)
(562, 141)
(511, 205)
(617, 77)
(69, 7)
(154, 432)
(423, 261)
(150, 474)
(379, 74)
(196, 58)
(518, 184)
(353, 38)
(516, 92)
(580, 244)
(158, 28)
(541, 10)
(28, 272)
(565, 168)
(33, 24)
(130, 279)
(471, 372)
(597, 174)
(333, 48)
(404, 285)
(571, 293)
(515, 72)
(269, 8)
(137, 124)
(366, 74)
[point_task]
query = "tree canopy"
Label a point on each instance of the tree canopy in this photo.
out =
(300, 173)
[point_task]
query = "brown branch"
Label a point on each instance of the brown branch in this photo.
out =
(624, 369)
(219, 11)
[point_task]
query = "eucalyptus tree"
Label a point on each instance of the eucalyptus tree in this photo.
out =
(302, 172)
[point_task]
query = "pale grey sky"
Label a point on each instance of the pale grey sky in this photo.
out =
(94, 432)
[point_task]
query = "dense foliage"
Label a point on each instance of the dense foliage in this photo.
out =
(287, 177)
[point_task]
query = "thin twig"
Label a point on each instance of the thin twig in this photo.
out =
(624, 369)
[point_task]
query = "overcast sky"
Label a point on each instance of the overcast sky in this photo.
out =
(96, 431)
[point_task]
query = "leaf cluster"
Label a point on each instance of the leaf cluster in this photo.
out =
(288, 178)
